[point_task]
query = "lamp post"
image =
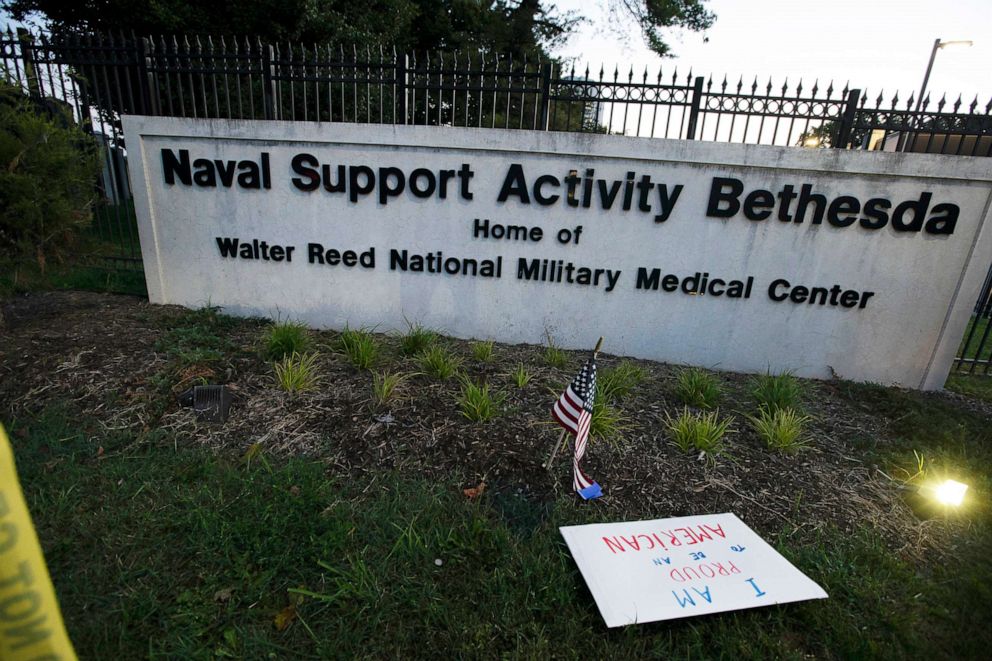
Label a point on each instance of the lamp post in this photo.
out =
(937, 44)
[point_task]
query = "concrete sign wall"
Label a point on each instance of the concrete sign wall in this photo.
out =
(735, 257)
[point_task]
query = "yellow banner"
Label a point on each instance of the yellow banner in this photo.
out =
(31, 627)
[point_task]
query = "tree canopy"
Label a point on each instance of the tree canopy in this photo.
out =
(508, 26)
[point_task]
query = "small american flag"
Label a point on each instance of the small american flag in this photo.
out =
(573, 411)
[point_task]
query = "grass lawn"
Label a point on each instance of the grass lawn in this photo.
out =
(976, 386)
(92, 264)
(169, 540)
(975, 339)
(116, 226)
(27, 278)
(173, 552)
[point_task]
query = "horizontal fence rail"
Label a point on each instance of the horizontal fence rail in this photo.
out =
(97, 78)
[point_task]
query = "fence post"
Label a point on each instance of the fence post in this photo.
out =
(697, 100)
(27, 55)
(847, 120)
(269, 83)
(402, 62)
(146, 78)
(546, 70)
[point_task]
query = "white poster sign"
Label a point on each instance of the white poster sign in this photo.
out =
(645, 571)
(738, 257)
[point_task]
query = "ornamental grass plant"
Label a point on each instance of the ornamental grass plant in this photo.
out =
(359, 346)
(698, 388)
(297, 372)
(780, 429)
(284, 338)
(701, 432)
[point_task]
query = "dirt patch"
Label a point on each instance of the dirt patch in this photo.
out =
(106, 354)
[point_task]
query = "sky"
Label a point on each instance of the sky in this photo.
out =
(876, 44)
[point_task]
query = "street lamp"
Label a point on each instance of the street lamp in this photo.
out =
(937, 43)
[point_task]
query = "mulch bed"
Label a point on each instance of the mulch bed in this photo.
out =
(99, 352)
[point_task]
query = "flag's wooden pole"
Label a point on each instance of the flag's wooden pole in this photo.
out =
(561, 437)
(554, 451)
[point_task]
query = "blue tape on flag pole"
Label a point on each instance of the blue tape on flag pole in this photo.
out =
(591, 491)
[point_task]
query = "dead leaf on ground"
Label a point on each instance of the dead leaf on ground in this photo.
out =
(285, 617)
(475, 492)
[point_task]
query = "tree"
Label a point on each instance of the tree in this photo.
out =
(47, 170)
(822, 136)
(521, 27)
(654, 17)
(819, 137)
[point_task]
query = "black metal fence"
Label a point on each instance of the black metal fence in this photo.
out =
(975, 354)
(99, 77)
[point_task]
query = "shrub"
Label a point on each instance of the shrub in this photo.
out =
(477, 403)
(483, 351)
(359, 346)
(47, 172)
(781, 429)
(385, 386)
(439, 363)
(417, 340)
(297, 372)
(608, 423)
(698, 431)
(617, 383)
(521, 377)
(284, 338)
(776, 392)
(698, 388)
(554, 355)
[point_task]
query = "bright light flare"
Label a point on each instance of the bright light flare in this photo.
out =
(950, 492)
